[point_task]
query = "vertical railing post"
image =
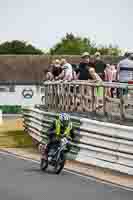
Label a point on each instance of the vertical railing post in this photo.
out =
(74, 98)
(55, 97)
(59, 97)
(46, 96)
(121, 104)
(104, 101)
(69, 101)
(93, 98)
(63, 92)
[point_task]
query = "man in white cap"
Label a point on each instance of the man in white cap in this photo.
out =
(83, 70)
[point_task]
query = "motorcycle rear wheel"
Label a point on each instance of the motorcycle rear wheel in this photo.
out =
(43, 164)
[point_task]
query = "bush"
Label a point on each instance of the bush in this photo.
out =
(6, 109)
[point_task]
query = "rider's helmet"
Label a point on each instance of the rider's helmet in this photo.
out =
(64, 118)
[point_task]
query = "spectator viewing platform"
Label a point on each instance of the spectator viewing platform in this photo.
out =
(89, 97)
(94, 86)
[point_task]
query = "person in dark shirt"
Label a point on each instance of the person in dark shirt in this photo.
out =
(99, 65)
(54, 70)
(83, 70)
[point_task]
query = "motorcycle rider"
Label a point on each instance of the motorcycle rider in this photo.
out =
(61, 127)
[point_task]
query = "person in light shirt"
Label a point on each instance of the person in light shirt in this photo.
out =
(125, 69)
(67, 71)
(125, 72)
(98, 91)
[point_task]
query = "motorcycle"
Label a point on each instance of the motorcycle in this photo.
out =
(56, 157)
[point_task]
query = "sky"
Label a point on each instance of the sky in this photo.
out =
(44, 22)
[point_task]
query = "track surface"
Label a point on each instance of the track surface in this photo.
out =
(22, 180)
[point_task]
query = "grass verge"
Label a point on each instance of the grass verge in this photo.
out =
(12, 135)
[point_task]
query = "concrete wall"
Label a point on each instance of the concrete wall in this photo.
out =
(33, 67)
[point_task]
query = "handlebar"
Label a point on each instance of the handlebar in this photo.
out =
(68, 137)
(64, 141)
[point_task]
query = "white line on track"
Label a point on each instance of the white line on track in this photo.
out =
(7, 153)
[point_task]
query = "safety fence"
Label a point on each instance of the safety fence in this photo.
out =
(85, 96)
(96, 143)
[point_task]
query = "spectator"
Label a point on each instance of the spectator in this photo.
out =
(114, 79)
(99, 65)
(67, 71)
(114, 73)
(94, 75)
(99, 90)
(110, 76)
(83, 70)
(125, 71)
(74, 68)
(54, 70)
(49, 75)
(108, 73)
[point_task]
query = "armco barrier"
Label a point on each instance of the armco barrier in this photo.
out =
(97, 143)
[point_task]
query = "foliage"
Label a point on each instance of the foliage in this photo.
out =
(109, 50)
(72, 45)
(68, 45)
(10, 109)
(18, 47)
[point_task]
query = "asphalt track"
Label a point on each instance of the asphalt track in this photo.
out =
(22, 180)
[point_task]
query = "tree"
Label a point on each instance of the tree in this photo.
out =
(18, 47)
(72, 45)
(109, 50)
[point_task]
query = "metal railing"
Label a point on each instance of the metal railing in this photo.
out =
(85, 96)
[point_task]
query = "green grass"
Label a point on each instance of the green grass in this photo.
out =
(10, 109)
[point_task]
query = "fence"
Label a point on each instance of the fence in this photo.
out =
(101, 144)
(84, 96)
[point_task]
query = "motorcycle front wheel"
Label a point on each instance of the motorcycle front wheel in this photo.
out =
(60, 164)
(43, 164)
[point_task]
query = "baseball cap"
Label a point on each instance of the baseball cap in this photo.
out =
(97, 54)
(85, 54)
